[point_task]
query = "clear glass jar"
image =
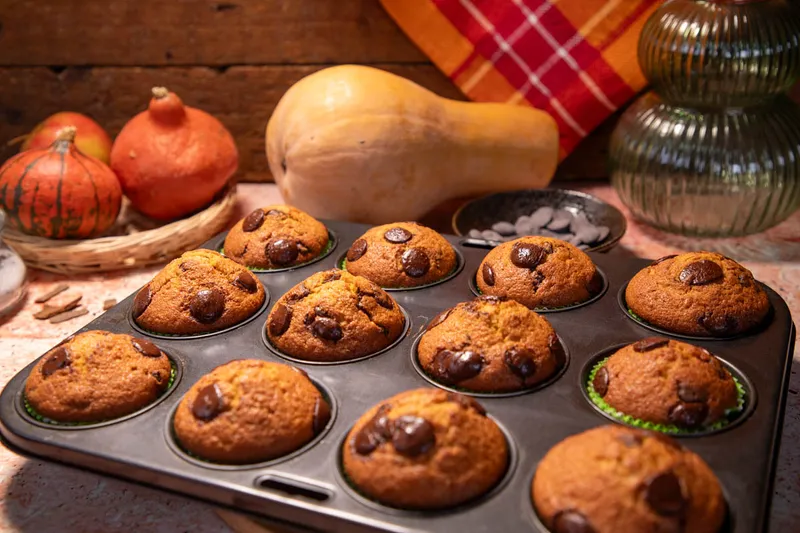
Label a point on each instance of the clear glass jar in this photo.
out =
(13, 275)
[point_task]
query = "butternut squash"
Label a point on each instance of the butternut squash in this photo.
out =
(360, 144)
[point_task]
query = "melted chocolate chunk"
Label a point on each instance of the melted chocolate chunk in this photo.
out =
(452, 367)
(690, 415)
(297, 294)
(397, 235)
(322, 415)
(718, 325)
(253, 221)
(246, 281)
(412, 435)
(279, 320)
(664, 494)
(415, 262)
(488, 274)
(331, 275)
(384, 300)
(157, 376)
(557, 349)
(687, 393)
(208, 403)
(145, 347)
(650, 343)
(571, 522)
(373, 433)
(521, 363)
(56, 360)
(326, 328)
(207, 305)
(537, 280)
(282, 252)
(595, 284)
(357, 249)
(662, 259)
(700, 273)
(526, 255)
(438, 319)
(141, 301)
(600, 381)
(466, 402)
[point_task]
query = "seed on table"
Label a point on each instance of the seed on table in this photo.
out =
(602, 233)
(524, 226)
(504, 228)
(579, 222)
(561, 220)
(490, 235)
(587, 234)
(541, 217)
(475, 234)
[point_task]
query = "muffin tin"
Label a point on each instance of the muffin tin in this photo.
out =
(307, 489)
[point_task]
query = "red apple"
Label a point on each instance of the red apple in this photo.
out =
(91, 139)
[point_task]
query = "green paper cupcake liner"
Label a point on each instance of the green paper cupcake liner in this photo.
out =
(325, 251)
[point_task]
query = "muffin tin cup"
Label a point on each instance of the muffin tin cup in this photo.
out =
(353, 491)
(274, 349)
(473, 286)
(480, 394)
(632, 316)
(750, 397)
(333, 243)
(177, 449)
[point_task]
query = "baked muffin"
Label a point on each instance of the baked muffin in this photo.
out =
(425, 449)
(539, 272)
(698, 293)
(614, 479)
(97, 375)
(248, 411)
(276, 236)
(490, 344)
(403, 254)
(667, 382)
(334, 316)
(199, 292)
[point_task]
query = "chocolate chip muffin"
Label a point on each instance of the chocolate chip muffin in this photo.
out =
(425, 449)
(403, 254)
(248, 411)
(667, 382)
(199, 292)
(97, 375)
(698, 293)
(490, 344)
(614, 479)
(276, 236)
(539, 272)
(334, 316)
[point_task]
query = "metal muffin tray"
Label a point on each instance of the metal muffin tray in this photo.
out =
(306, 490)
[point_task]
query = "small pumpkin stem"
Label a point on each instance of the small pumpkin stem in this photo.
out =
(67, 133)
(160, 92)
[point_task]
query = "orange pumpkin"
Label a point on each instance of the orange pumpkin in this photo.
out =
(59, 192)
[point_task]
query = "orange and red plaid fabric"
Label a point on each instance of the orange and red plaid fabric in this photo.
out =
(575, 59)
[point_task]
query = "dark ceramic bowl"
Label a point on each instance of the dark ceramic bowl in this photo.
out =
(481, 213)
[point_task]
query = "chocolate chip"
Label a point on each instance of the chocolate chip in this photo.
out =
(331, 275)
(279, 319)
(384, 300)
(521, 363)
(208, 403)
(700, 273)
(438, 319)
(650, 343)
(662, 259)
(595, 284)
(146, 348)
(415, 262)
(412, 435)
(571, 522)
(253, 221)
(600, 381)
(56, 360)
(297, 294)
(141, 301)
(557, 349)
(466, 402)
(397, 235)
(718, 325)
(452, 367)
(282, 252)
(326, 328)
(157, 376)
(357, 249)
(374, 432)
(322, 415)
(664, 494)
(207, 305)
(246, 281)
(688, 415)
(526, 255)
(488, 274)
(687, 393)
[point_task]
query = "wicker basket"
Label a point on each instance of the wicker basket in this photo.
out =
(135, 241)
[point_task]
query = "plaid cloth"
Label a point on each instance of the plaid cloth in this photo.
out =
(575, 59)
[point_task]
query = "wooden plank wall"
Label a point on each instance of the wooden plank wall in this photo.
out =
(231, 58)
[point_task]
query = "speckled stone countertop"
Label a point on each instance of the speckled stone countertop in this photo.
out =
(39, 497)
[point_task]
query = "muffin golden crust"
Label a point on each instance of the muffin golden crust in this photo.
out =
(403, 254)
(667, 382)
(199, 292)
(334, 316)
(248, 411)
(97, 375)
(539, 272)
(614, 479)
(276, 236)
(698, 293)
(425, 449)
(490, 344)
